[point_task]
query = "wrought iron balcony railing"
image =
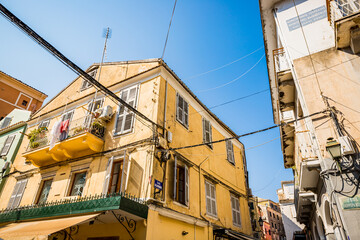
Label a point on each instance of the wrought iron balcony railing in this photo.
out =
(41, 137)
(280, 61)
(342, 8)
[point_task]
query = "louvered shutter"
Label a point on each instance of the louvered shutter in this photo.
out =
(175, 178)
(208, 198)
(121, 114)
(186, 114)
(17, 193)
(213, 198)
(186, 186)
(207, 132)
(129, 115)
(179, 109)
(7, 145)
(204, 130)
(6, 122)
(135, 179)
(108, 175)
(230, 152)
(125, 173)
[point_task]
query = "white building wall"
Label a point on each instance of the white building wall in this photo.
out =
(317, 29)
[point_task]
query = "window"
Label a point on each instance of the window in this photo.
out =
(125, 117)
(85, 84)
(92, 107)
(17, 194)
(277, 217)
(235, 208)
(275, 226)
(272, 224)
(78, 183)
(182, 111)
(116, 175)
(6, 122)
(181, 184)
(270, 214)
(44, 124)
(5, 149)
(44, 192)
(24, 103)
(67, 116)
(230, 152)
(210, 199)
(207, 132)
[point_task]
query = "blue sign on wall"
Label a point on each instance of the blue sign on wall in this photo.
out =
(158, 185)
(307, 18)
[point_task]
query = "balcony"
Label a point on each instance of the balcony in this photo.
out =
(309, 174)
(84, 137)
(344, 16)
(280, 61)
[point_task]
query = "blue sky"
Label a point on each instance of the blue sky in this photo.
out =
(204, 35)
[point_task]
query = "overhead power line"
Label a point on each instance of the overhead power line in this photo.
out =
(247, 134)
(228, 64)
(237, 78)
(51, 49)
(167, 35)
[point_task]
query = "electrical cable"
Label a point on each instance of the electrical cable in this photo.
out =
(167, 35)
(247, 134)
(237, 78)
(228, 64)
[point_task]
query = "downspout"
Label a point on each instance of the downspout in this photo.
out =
(164, 135)
(315, 144)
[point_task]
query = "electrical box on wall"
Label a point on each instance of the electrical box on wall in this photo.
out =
(346, 145)
(169, 136)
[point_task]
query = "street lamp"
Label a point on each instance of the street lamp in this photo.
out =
(333, 147)
(261, 222)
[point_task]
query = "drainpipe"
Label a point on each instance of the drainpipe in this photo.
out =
(165, 103)
(339, 230)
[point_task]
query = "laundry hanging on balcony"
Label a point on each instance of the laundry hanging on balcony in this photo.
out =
(55, 134)
(64, 129)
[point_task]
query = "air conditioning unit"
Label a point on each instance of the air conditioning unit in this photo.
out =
(106, 113)
(346, 145)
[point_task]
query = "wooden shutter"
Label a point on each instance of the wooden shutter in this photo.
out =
(230, 152)
(186, 113)
(125, 173)
(235, 207)
(135, 179)
(108, 175)
(175, 178)
(17, 194)
(208, 197)
(207, 133)
(6, 122)
(129, 115)
(213, 199)
(186, 185)
(179, 108)
(7, 145)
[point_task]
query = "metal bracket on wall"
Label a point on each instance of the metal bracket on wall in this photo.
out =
(128, 224)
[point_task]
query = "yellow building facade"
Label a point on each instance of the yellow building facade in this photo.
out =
(92, 169)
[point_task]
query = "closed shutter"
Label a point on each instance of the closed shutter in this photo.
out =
(108, 175)
(6, 122)
(7, 145)
(175, 178)
(213, 198)
(17, 194)
(207, 133)
(208, 198)
(235, 207)
(125, 117)
(125, 173)
(186, 185)
(230, 152)
(182, 111)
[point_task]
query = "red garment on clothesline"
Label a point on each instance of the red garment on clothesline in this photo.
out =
(64, 126)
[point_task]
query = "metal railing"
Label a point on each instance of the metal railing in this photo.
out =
(342, 8)
(280, 61)
(41, 137)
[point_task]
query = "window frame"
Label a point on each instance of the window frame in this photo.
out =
(236, 201)
(9, 144)
(212, 199)
(41, 188)
(71, 185)
(208, 143)
(46, 122)
(185, 117)
(126, 112)
(177, 185)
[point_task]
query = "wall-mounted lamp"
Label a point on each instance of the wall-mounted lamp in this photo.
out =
(184, 233)
(261, 222)
(333, 147)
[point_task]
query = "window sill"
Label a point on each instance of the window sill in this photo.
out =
(187, 128)
(212, 216)
(180, 204)
(117, 135)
